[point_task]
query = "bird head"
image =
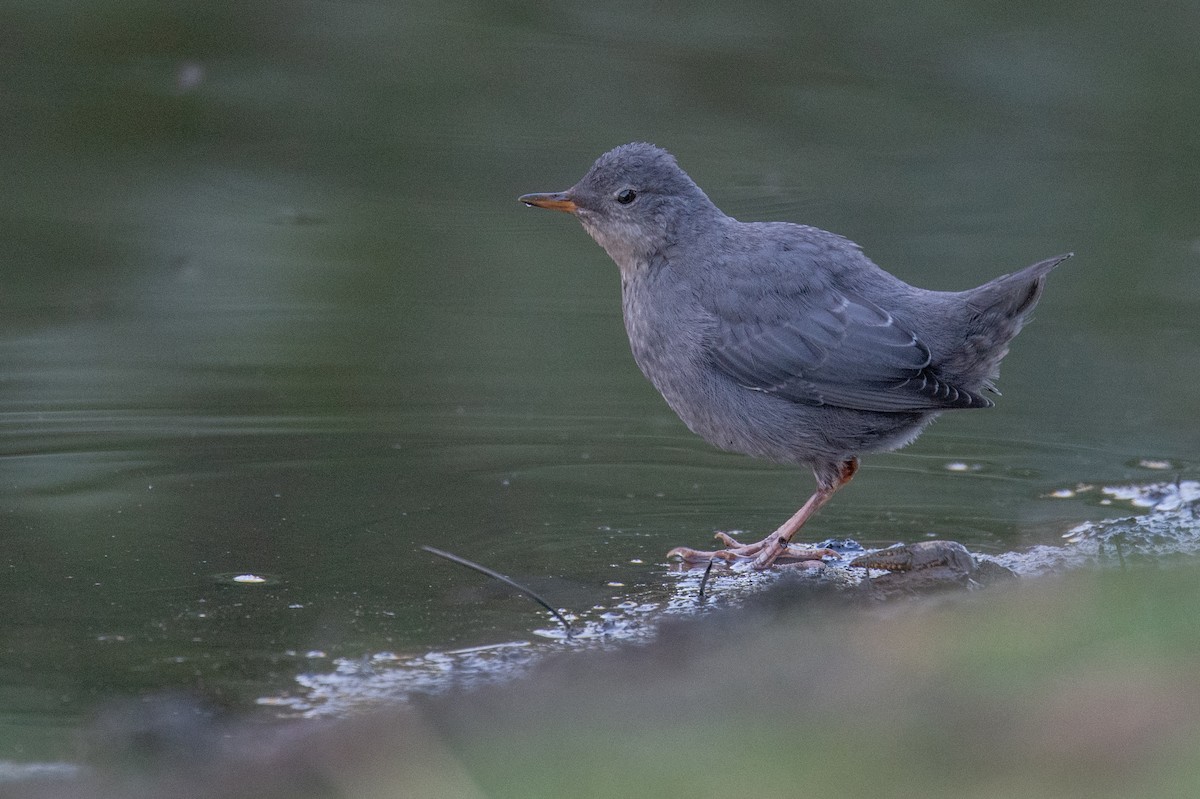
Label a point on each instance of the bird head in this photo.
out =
(634, 201)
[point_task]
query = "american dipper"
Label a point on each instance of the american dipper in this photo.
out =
(784, 341)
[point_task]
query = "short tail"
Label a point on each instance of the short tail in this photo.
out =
(1013, 296)
(997, 312)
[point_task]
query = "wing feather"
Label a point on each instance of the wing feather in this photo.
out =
(848, 352)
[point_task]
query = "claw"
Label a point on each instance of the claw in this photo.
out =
(801, 552)
(763, 553)
(689, 555)
(728, 540)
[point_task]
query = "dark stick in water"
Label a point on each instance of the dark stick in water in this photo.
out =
(495, 575)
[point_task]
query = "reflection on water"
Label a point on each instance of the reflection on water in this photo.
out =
(270, 307)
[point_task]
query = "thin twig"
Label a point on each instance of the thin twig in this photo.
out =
(495, 575)
(704, 580)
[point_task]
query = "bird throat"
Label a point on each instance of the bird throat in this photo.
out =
(624, 243)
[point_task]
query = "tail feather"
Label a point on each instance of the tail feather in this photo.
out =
(1014, 295)
(997, 312)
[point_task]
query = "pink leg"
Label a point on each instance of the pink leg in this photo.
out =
(778, 545)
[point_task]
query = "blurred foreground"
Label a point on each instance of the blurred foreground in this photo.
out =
(1082, 685)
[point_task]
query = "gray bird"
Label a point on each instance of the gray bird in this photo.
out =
(784, 341)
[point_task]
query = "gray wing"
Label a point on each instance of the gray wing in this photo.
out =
(848, 352)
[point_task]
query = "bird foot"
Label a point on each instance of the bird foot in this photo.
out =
(763, 553)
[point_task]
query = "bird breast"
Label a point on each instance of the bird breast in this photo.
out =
(666, 325)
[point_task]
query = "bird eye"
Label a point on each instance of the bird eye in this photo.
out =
(626, 196)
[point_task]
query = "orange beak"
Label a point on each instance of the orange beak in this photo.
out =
(558, 201)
